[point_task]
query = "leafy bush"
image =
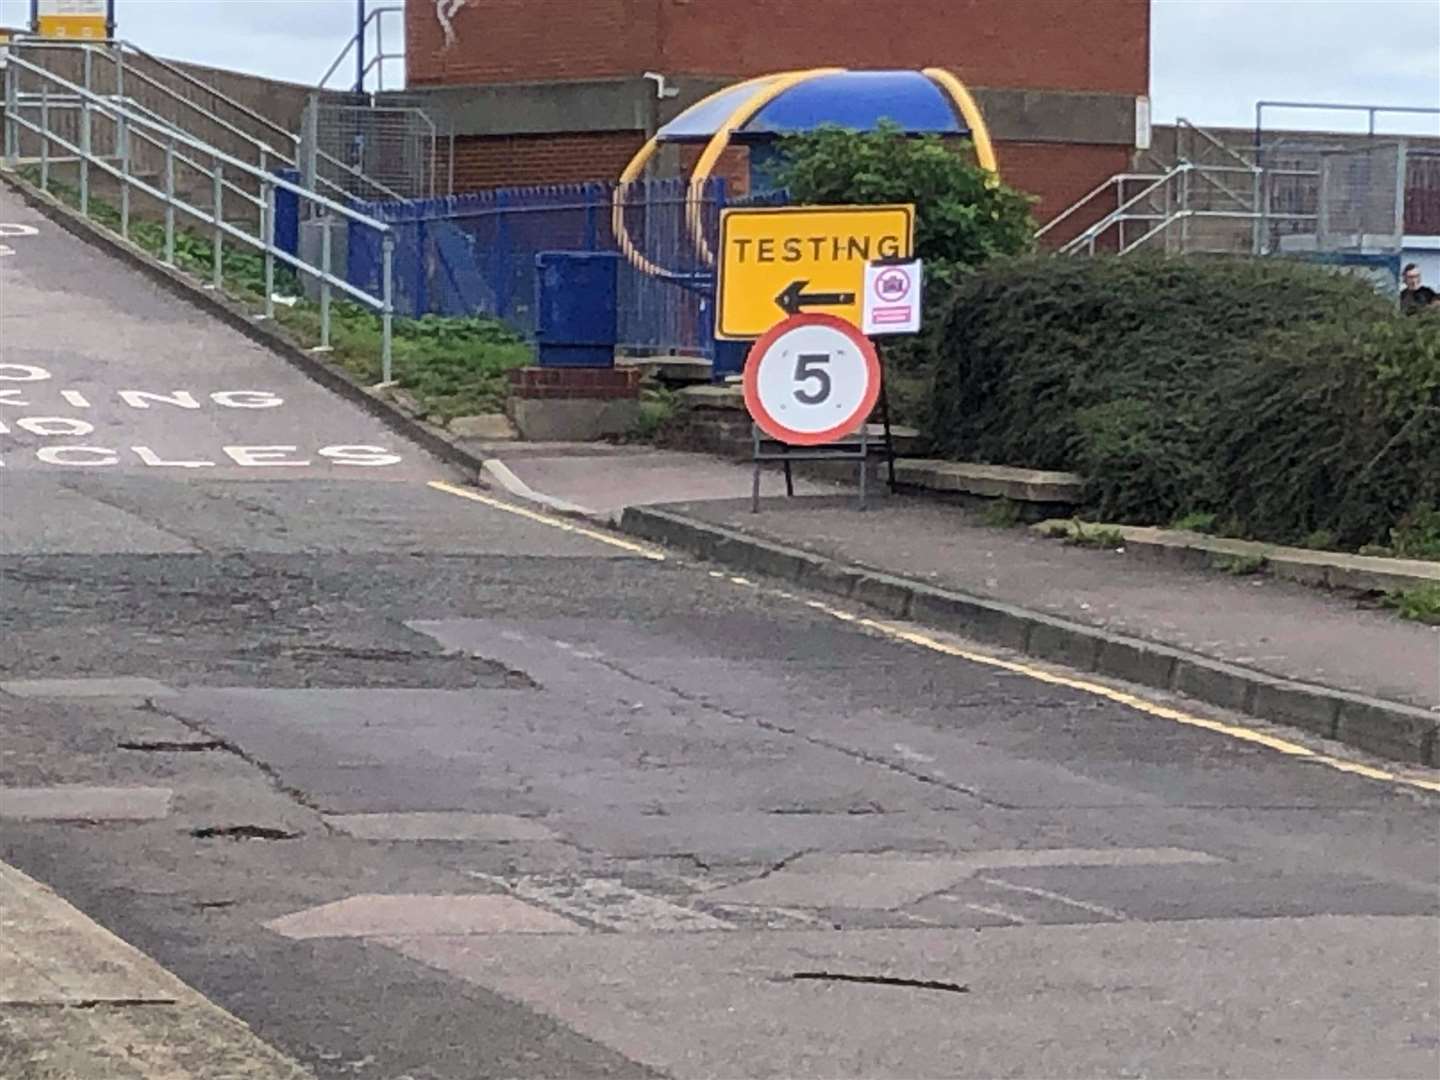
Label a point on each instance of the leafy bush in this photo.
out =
(1280, 398)
(964, 217)
(1332, 427)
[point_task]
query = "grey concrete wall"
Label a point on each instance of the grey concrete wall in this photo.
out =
(631, 105)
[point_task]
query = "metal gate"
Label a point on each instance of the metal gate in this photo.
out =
(375, 151)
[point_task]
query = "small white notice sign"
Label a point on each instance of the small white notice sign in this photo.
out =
(893, 292)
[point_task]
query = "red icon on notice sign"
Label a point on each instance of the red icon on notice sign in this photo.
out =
(893, 285)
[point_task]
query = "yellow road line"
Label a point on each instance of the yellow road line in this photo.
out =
(553, 522)
(897, 632)
(1133, 701)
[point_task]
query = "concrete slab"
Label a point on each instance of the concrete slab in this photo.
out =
(372, 916)
(440, 825)
(80, 803)
(119, 687)
(890, 881)
(991, 481)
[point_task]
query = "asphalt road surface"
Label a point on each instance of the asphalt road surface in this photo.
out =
(420, 786)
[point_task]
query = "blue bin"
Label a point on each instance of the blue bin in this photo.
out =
(287, 213)
(576, 301)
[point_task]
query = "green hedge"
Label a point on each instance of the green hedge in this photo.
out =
(1284, 399)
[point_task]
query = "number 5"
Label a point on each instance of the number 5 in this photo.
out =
(809, 366)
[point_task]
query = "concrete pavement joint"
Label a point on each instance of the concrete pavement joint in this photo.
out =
(1378, 726)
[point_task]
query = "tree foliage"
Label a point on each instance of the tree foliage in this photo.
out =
(964, 216)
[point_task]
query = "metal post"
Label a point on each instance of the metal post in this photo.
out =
(310, 144)
(89, 69)
(1165, 237)
(12, 110)
(1257, 198)
(45, 136)
(379, 50)
(325, 223)
(387, 316)
(359, 46)
(119, 87)
(170, 202)
(267, 212)
(1402, 162)
(217, 241)
(1185, 211)
(85, 156)
(124, 131)
(755, 477)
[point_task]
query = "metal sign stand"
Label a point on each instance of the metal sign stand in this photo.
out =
(768, 449)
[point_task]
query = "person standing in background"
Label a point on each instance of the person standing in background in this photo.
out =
(1414, 296)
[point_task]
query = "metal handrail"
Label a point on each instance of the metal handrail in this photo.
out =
(331, 159)
(1181, 124)
(114, 51)
(124, 46)
(377, 61)
(1118, 178)
(1117, 215)
(130, 123)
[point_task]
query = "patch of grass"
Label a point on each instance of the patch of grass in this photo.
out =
(1195, 522)
(452, 367)
(1095, 537)
(1417, 535)
(1419, 604)
(1320, 540)
(1239, 565)
(1002, 513)
(657, 407)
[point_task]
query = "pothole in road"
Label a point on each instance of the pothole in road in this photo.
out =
(242, 832)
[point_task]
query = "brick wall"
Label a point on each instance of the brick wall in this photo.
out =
(1099, 45)
(1061, 174)
(530, 40)
(522, 160)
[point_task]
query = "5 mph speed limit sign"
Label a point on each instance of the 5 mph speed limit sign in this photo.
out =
(811, 380)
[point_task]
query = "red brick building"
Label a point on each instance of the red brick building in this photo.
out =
(551, 91)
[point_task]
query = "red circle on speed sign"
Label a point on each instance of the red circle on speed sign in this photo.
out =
(813, 379)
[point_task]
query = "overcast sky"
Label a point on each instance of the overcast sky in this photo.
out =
(1212, 59)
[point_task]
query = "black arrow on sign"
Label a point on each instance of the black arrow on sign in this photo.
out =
(794, 297)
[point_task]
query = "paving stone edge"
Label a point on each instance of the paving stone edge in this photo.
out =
(267, 334)
(1385, 728)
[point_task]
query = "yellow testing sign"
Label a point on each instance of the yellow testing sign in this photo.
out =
(780, 261)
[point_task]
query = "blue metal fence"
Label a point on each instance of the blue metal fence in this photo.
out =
(475, 254)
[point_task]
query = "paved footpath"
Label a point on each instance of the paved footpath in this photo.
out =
(414, 781)
(76, 1001)
(1287, 630)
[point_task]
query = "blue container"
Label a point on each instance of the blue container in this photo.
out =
(287, 213)
(576, 304)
